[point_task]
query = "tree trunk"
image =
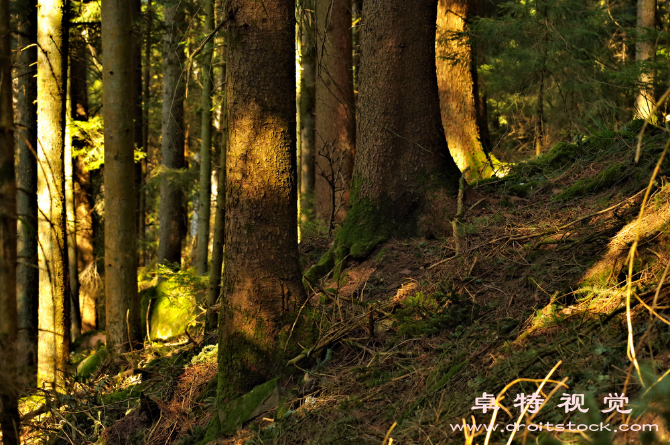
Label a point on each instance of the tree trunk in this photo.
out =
(205, 201)
(141, 227)
(218, 237)
(404, 178)
(172, 225)
(645, 50)
(54, 301)
(307, 102)
(138, 111)
(262, 282)
(26, 269)
(457, 83)
(88, 286)
(71, 224)
(9, 415)
(335, 120)
(121, 302)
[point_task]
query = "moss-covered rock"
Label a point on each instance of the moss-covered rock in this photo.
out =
(171, 311)
(257, 401)
(92, 363)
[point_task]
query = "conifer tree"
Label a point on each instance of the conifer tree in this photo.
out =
(9, 414)
(262, 282)
(121, 303)
(172, 223)
(53, 346)
(26, 269)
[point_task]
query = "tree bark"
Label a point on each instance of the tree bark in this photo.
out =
(205, 201)
(457, 84)
(78, 92)
(262, 282)
(54, 301)
(121, 302)
(404, 179)
(9, 415)
(306, 105)
(138, 110)
(26, 269)
(71, 223)
(172, 225)
(645, 50)
(335, 120)
(218, 237)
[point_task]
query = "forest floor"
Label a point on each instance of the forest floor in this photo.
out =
(410, 337)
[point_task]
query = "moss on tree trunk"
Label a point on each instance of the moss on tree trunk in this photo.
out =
(404, 180)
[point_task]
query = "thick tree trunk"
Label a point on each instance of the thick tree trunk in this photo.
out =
(9, 414)
(457, 83)
(307, 102)
(335, 120)
(205, 201)
(54, 302)
(645, 50)
(121, 302)
(172, 225)
(404, 177)
(262, 280)
(26, 269)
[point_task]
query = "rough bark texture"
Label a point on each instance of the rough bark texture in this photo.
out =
(457, 83)
(121, 302)
(307, 102)
(404, 176)
(26, 269)
(205, 201)
(172, 225)
(262, 280)
(9, 414)
(645, 51)
(219, 233)
(53, 346)
(335, 120)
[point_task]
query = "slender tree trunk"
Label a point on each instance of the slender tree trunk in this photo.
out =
(26, 269)
(335, 120)
(121, 303)
(356, 17)
(9, 415)
(78, 93)
(404, 178)
(262, 279)
(307, 102)
(54, 301)
(138, 110)
(141, 227)
(457, 83)
(71, 222)
(205, 201)
(218, 237)
(645, 50)
(171, 213)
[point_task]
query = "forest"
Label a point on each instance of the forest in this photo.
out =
(334, 222)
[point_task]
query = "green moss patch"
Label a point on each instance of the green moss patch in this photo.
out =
(171, 312)
(92, 363)
(257, 401)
